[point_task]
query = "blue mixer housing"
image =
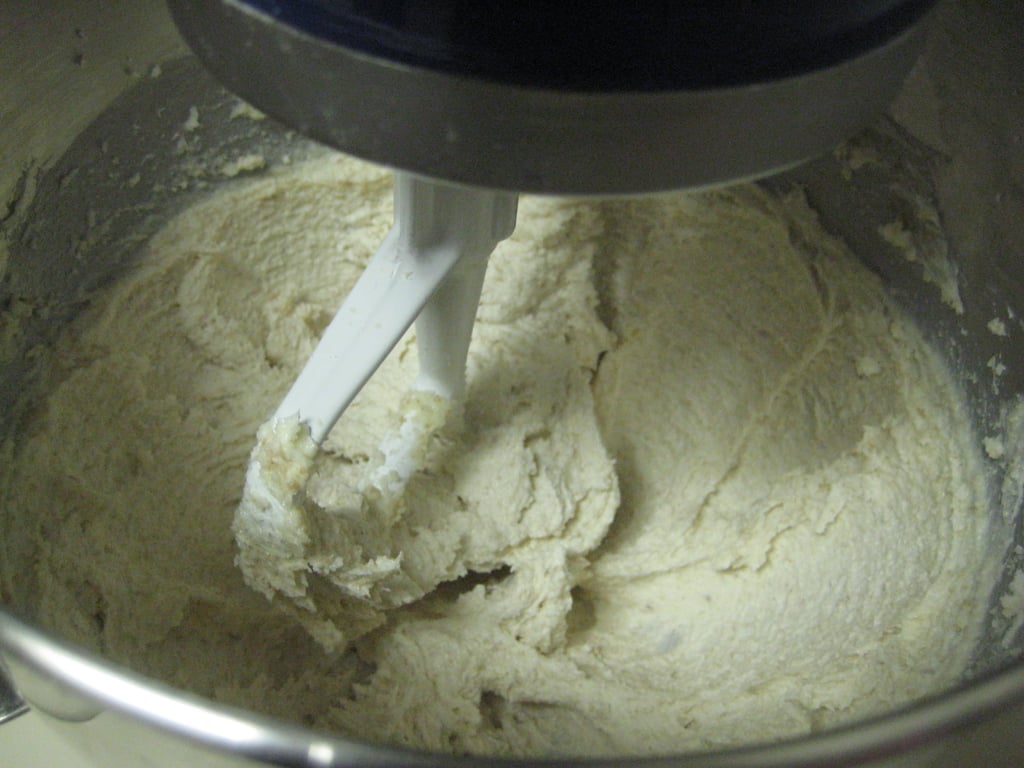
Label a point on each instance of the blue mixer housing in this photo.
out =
(663, 45)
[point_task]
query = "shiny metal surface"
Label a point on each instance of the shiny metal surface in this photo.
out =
(483, 133)
(954, 135)
(11, 703)
(79, 689)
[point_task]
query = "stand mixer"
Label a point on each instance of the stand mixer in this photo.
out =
(617, 140)
(473, 103)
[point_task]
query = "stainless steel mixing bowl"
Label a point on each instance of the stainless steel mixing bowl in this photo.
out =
(86, 95)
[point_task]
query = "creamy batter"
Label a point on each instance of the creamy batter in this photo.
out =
(708, 487)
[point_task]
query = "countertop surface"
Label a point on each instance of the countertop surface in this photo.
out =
(28, 741)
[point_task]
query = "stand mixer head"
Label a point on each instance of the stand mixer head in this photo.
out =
(547, 98)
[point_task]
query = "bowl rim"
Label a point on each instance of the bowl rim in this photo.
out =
(74, 685)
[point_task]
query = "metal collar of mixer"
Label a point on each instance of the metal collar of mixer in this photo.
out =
(482, 132)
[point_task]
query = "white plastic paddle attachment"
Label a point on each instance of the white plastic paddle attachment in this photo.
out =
(431, 262)
(430, 266)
